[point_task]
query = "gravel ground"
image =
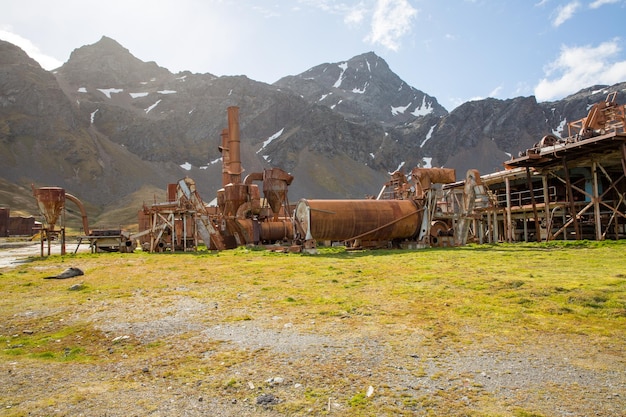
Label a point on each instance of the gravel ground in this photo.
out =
(282, 361)
(286, 360)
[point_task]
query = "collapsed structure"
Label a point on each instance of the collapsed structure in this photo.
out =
(560, 189)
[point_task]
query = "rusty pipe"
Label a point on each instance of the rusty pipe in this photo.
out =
(225, 158)
(255, 176)
(425, 177)
(83, 213)
(234, 145)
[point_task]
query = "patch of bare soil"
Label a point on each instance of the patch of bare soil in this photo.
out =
(208, 365)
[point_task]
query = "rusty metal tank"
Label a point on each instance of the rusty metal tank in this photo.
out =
(272, 231)
(234, 196)
(340, 220)
(275, 185)
(50, 201)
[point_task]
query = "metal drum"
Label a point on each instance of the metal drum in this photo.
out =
(340, 220)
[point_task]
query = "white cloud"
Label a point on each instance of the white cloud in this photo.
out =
(392, 19)
(355, 15)
(580, 67)
(599, 3)
(47, 62)
(564, 13)
(495, 91)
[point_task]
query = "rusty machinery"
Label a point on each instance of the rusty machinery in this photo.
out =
(408, 212)
(241, 216)
(51, 204)
(603, 117)
(402, 215)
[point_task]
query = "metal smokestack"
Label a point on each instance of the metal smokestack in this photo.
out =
(234, 145)
(225, 158)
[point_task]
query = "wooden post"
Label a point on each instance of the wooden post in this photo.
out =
(509, 221)
(596, 200)
(570, 198)
(546, 202)
(534, 204)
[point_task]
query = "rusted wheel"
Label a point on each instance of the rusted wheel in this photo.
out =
(548, 140)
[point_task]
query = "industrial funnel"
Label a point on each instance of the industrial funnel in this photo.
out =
(51, 201)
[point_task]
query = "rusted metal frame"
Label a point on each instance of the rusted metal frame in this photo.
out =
(570, 198)
(529, 182)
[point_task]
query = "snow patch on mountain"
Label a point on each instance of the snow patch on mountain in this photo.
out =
(428, 136)
(358, 91)
(400, 109)
(424, 109)
(152, 107)
(344, 67)
(559, 129)
(270, 139)
(108, 91)
(93, 115)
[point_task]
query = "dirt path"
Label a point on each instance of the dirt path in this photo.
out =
(16, 253)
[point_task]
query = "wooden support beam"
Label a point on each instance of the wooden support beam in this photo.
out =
(570, 198)
(534, 204)
(596, 200)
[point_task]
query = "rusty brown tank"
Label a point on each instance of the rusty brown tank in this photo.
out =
(51, 201)
(343, 220)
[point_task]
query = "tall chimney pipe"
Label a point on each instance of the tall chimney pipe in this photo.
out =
(225, 158)
(234, 145)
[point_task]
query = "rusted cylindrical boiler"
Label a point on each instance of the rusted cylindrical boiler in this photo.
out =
(340, 220)
(276, 230)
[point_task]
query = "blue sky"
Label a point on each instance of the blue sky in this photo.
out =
(455, 50)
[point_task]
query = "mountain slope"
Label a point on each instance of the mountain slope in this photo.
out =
(112, 129)
(363, 89)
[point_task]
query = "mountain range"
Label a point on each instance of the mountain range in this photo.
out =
(114, 130)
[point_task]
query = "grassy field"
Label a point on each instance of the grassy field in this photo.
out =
(492, 330)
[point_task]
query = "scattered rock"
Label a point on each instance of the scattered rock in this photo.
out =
(28, 331)
(266, 399)
(275, 381)
(77, 287)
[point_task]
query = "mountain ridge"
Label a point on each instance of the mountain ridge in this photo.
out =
(122, 126)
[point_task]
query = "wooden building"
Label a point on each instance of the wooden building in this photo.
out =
(572, 188)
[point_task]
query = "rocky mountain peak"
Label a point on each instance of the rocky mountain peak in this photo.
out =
(363, 89)
(14, 55)
(108, 64)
